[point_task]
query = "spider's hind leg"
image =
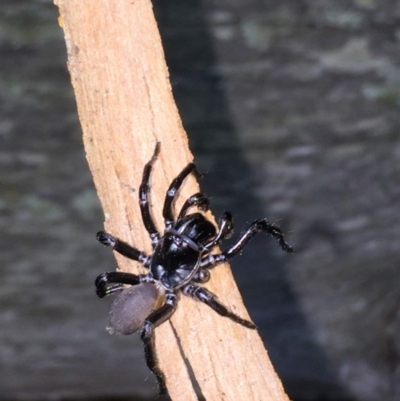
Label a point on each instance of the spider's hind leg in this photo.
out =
(209, 299)
(103, 281)
(155, 319)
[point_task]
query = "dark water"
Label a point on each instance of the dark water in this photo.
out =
(292, 109)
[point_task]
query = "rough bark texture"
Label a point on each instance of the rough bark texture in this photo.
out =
(125, 106)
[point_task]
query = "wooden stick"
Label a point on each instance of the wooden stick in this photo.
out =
(125, 106)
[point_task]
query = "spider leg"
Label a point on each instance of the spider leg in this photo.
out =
(155, 319)
(168, 213)
(255, 227)
(202, 276)
(123, 248)
(104, 279)
(225, 230)
(209, 299)
(199, 200)
(144, 190)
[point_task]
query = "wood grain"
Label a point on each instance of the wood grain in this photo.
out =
(125, 106)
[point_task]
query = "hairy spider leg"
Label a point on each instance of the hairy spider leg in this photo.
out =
(144, 191)
(104, 279)
(123, 248)
(210, 300)
(156, 318)
(176, 183)
(259, 225)
(225, 230)
(199, 200)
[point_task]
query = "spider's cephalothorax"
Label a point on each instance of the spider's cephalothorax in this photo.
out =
(181, 259)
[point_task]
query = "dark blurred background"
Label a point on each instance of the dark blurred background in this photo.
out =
(292, 108)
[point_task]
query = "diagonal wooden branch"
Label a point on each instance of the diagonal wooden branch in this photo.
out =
(125, 106)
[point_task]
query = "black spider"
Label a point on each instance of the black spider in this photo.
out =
(181, 258)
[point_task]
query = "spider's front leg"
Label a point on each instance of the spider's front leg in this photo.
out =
(225, 230)
(199, 200)
(259, 225)
(168, 212)
(155, 319)
(144, 191)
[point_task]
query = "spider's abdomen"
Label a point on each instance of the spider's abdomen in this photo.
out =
(131, 307)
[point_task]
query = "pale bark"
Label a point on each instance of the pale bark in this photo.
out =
(125, 106)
